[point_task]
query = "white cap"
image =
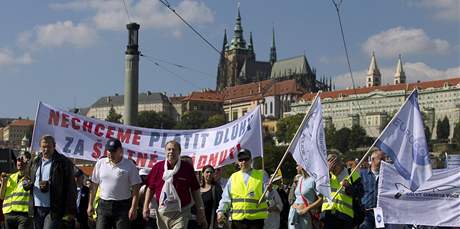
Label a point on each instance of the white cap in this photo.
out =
(144, 171)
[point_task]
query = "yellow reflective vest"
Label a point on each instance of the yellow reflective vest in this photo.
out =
(342, 202)
(16, 198)
(96, 203)
(244, 197)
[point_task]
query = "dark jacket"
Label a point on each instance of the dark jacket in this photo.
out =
(82, 216)
(62, 187)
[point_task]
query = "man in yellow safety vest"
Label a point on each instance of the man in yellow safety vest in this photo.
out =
(15, 198)
(339, 213)
(241, 195)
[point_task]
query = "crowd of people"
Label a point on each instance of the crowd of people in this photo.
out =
(47, 191)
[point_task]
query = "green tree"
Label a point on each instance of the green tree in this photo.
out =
(157, 120)
(215, 121)
(192, 120)
(330, 137)
(443, 129)
(342, 139)
(113, 116)
(287, 127)
(456, 137)
(357, 137)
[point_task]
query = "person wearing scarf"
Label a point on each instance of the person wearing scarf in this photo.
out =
(174, 185)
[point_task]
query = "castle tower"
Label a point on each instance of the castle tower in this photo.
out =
(374, 78)
(400, 75)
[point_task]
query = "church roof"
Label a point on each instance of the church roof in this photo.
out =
(287, 67)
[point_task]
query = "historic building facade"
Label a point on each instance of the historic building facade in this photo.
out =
(373, 106)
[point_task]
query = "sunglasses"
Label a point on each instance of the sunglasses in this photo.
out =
(243, 159)
(209, 171)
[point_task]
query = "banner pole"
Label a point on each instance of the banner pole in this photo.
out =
(305, 118)
(370, 148)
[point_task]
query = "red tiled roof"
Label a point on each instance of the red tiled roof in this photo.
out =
(283, 88)
(246, 90)
(393, 87)
(22, 122)
(209, 96)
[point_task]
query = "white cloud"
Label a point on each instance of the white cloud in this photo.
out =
(398, 40)
(448, 10)
(111, 15)
(414, 72)
(8, 58)
(58, 34)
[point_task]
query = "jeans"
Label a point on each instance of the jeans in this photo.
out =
(18, 220)
(43, 220)
(332, 221)
(113, 214)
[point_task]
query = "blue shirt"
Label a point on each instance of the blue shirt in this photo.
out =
(370, 183)
(42, 199)
(308, 190)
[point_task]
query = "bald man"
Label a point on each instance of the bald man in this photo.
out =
(369, 178)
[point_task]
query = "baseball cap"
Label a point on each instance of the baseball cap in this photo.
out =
(244, 154)
(112, 145)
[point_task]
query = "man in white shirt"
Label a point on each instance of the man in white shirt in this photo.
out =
(119, 183)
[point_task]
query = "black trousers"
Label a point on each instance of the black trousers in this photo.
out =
(248, 224)
(333, 221)
(18, 220)
(113, 214)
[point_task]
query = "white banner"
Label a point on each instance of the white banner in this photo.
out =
(81, 137)
(435, 203)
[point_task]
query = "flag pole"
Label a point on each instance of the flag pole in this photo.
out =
(305, 118)
(370, 148)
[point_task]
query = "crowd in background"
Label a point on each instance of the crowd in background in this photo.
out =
(47, 191)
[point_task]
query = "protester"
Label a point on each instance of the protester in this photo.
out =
(340, 213)
(303, 213)
(291, 196)
(286, 206)
(53, 196)
(15, 198)
(275, 206)
(174, 184)
(151, 222)
(211, 193)
(241, 196)
(369, 178)
(82, 201)
(119, 182)
(192, 221)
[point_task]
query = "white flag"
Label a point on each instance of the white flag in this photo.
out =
(309, 148)
(403, 140)
(435, 203)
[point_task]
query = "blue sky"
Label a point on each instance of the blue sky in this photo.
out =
(70, 53)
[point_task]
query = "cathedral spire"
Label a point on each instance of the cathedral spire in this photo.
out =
(273, 48)
(238, 41)
(224, 44)
(400, 75)
(374, 78)
(250, 45)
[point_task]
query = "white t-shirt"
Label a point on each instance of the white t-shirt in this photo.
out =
(115, 180)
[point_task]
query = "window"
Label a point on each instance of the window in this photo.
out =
(271, 107)
(245, 110)
(235, 115)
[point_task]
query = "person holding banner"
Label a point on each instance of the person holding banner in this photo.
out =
(15, 198)
(53, 192)
(174, 184)
(340, 212)
(241, 195)
(301, 214)
(369, 178)
(118, 180)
